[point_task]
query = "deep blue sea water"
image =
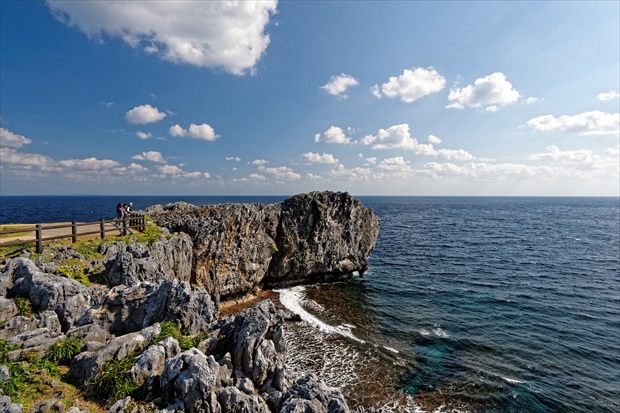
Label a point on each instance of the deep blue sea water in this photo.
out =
(472, 304)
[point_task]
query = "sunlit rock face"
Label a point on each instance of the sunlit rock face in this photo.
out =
(321, 236)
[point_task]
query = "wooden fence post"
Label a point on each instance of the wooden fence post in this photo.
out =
(74, 232)
(124, 225)
(39, 239)
(102, 228)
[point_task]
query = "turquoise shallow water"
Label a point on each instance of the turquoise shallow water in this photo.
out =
(469, 304)
(493, 304)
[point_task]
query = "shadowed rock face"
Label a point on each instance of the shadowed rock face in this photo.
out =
(321, 236)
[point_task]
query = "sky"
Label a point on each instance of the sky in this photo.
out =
(444, 98)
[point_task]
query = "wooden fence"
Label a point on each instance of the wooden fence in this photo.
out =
(124, 225)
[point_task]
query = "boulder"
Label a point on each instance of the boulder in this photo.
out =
(131, 308)
(308, 394)
(257, 345)
(233, 400)
(8, 309)
(164, 260)
(86, 366)
(150, 364)
(7, 407)
(191, 380)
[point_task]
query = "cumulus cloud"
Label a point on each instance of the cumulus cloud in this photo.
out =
(259, 162)
(233, 158)
(9, 139)
(10, 156)
(612, 94)
(143, 135)
(531, 100)
(434, 140)
(488, 92)
(333, 135)
(318, 158)
(203, 132)
(281, 173)
(257, 177)
(396, 136)
(226, 35)
(92, 164)
(144, 114)
(397, 164)
(579, 156)
(587, 123)
(411, 85)
(169, 170)
(338, 85)
(152, 156)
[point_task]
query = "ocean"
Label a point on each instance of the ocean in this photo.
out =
(470, 304)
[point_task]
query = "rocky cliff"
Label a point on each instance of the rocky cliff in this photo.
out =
(234, 364)
(321, 236)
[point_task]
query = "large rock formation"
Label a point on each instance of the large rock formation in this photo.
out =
(221, 251)
(321, 236)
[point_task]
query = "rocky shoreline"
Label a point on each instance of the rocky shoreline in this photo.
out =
(206, 256)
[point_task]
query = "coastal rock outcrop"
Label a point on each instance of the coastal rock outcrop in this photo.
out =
(321, 236)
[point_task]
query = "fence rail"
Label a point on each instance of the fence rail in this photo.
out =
(124, 225)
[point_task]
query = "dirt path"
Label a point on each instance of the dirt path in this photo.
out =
(110, 231)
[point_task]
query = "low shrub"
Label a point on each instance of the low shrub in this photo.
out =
(63, 351)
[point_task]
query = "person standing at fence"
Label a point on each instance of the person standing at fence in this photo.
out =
(119, 213)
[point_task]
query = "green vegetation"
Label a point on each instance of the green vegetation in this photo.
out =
(113, 381)
(274, 247)
(24, 306)
(171, 329)
(63, 351)
(23, 230)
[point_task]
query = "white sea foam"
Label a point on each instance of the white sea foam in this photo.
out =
(393, 350)
(514, 381)
(425, 332)
(293, 298)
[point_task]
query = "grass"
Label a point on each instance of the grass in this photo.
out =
(24, 307)
(63, 351)
(27, 229)
(171, 329)
(113, 381)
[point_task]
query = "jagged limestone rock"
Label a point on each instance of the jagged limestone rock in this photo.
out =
(86, 365)
(257, 343)
(321, 236)
(309, 394)
(164, 260)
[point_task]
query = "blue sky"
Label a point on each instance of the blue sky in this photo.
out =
(268, 98)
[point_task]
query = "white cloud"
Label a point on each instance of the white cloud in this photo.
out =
(9, 156)
(92, 164)
(144, 114)
(257, 177)
(259, 162)
(434, 140)
(9, 139)
(339, 84)
(317, 158)
(612, 94)
(396, 136)
(579, 156)
(488, 92)
(281, 173)
(152, 156)
(108, 105)
(411, 85)
(218, 34)
(143, 135)
(233, 158)
(371, 161)
(332, 135)
(531, 100)
(397, 164)
(587, 123)
(204, 132)
(169, 170)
